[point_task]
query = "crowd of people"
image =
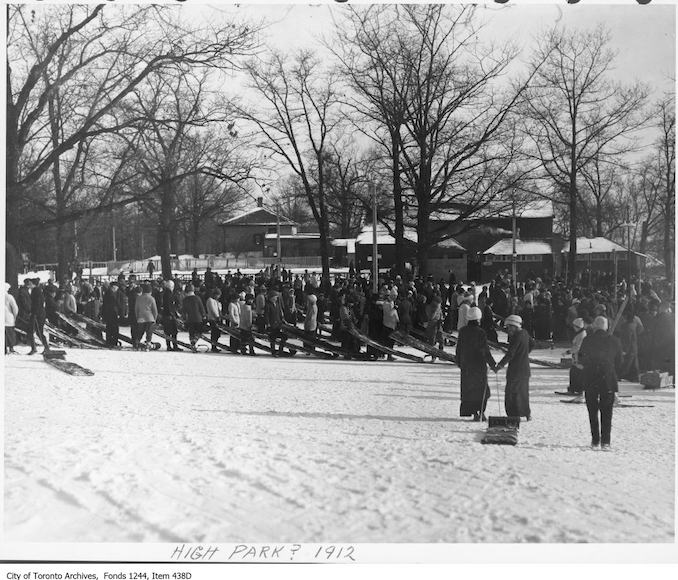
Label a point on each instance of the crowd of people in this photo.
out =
(536, 309)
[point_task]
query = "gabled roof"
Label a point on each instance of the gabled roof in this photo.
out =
(532, 248)
(299, 236)
(595, 246)
(386, 239)
(259, 216)
(541, 208)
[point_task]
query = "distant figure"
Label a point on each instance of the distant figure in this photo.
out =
(517, 393)
(473, 358)
(11, 312)
(38, 315)
(150, 268)
(601, 357)
(213, 307)
(311, 319)
(576, 379)
(110, 313)
(146, 313)
(194, 315)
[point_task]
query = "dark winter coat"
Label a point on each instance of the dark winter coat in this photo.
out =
(23, 319)
(473, 357)
(110, 309)
(664, 351)
(601, 356)
(38, 304)
(487, 324)
(273, 312)
(517, 394)
(405, 314)
(194, 309)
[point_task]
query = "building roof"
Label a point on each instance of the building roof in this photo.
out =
(300, 236)
(595, 246)
(386, 239)
(259, 216)
(541, 208)
(532, 248)
(383, 237)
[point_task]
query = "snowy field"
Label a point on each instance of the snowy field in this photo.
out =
(182, 447)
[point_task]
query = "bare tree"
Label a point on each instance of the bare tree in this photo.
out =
(371, 61)
(576, 115)
(171, 149)
(598, 202)
(102, 54)
(667, 168)
(295, 117)
(345, 183)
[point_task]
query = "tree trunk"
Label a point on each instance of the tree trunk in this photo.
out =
(165, 229)
(13, 196)
(422, 237)
(668, 238)
(572, 256)
(323, 226)
(599, 221)
(397, 204)
(643, 237)
(195, 238)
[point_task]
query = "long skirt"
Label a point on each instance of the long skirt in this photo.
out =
(10, 337)
(474, 391)
(517, 396)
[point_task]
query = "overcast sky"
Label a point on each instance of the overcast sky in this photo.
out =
(644, 36)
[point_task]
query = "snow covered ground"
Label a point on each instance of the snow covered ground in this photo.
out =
(182, 447)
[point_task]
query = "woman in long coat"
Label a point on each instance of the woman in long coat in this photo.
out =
(517, 393)
(473, 358)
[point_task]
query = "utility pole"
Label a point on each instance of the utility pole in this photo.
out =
(628, 225)
(115, 249)
(375, 256)
(75, 240)
(514, 255)
(277, 212)
(614, 260)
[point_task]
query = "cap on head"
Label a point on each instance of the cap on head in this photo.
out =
(599, 323)
(578, 323)
(474, 314)
(513, 320)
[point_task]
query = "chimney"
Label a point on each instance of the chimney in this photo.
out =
(260, 201)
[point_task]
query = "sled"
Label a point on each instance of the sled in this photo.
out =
(99, 326)
(220, 345)
(570, 394)
(500, 435)
(315, 341)
(83, 335)
(405, 339)
(68, 339)
(385, 349)
(235, 333)
(56, 359)
(656, 380)
(295, 346)
(185, 345)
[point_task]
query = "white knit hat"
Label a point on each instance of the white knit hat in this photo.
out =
(513, 320)
(474, 314)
